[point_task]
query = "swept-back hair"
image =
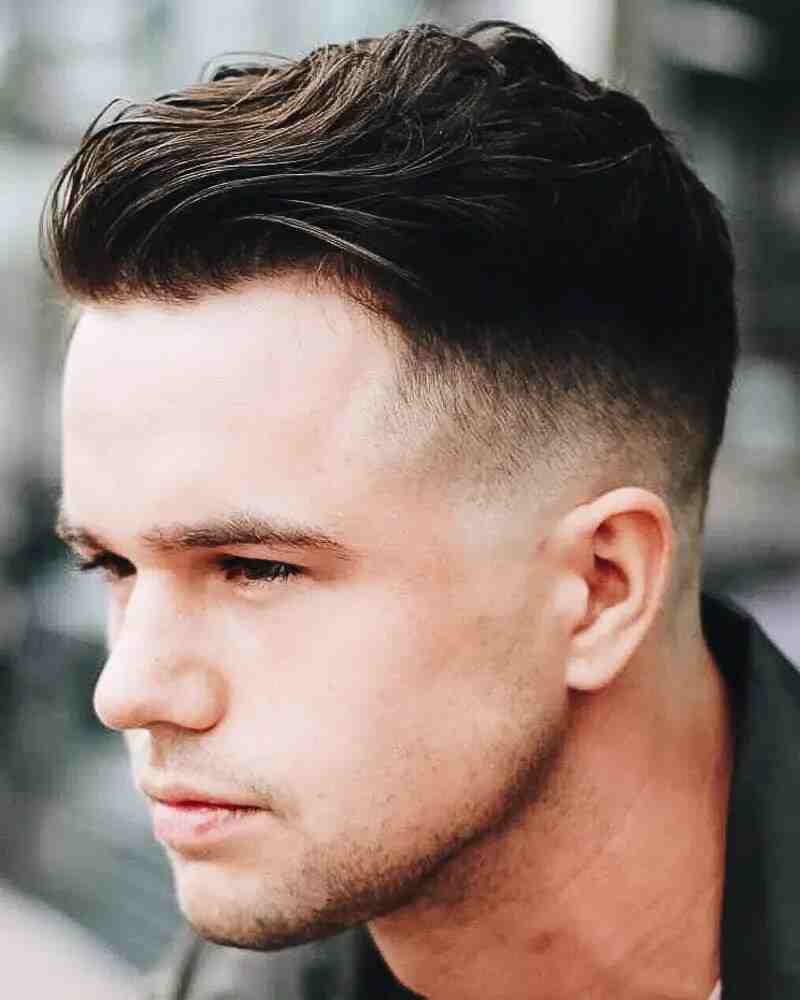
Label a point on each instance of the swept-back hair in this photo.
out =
(558, 274)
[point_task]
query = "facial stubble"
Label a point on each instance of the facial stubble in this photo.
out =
(452, 868)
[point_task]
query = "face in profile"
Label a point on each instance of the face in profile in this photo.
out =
(334, 667)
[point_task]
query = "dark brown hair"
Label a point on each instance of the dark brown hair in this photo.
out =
(554, 266)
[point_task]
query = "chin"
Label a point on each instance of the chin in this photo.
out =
(243, 910)
(267, 936)
(263, 933)
(254, 909)
(266, 925)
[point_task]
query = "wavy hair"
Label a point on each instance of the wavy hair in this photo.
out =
(556, 270)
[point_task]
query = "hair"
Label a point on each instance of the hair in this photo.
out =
(561, 280)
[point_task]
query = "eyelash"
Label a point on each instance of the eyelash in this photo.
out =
(250, 571)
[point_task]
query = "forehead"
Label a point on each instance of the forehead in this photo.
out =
(271, 337)
(274, 388)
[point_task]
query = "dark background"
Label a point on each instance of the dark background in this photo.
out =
(723, 76)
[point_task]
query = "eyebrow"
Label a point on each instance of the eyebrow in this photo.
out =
(236, 528)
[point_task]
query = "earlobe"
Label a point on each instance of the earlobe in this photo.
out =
(626, 539)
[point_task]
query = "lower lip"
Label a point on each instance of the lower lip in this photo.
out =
(183, 825)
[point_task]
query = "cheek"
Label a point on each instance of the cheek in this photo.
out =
(394, 702)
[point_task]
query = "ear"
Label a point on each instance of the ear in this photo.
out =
(621, 546)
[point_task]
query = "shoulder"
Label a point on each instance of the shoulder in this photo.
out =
(760, 946)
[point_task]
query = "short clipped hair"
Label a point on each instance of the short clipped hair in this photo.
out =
(557, 272)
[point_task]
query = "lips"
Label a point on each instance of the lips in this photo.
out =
(183, 825)
(178, 793)
(186, 818)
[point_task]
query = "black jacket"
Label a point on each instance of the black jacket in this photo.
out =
(761, 910)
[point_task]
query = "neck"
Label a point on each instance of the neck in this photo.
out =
(610, 884)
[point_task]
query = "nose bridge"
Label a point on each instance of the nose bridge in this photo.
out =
(158, 669)
(156, 606)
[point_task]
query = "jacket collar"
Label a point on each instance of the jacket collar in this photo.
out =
(761, 910)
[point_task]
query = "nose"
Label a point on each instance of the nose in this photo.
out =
(159, 669)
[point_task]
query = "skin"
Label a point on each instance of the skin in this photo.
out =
(491, 730)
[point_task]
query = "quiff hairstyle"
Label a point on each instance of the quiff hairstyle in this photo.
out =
(561, 280)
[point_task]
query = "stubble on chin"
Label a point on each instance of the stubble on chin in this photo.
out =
(338, 885)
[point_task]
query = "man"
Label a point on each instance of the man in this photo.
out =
(389, 415)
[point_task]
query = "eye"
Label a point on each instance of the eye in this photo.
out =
(113, 567)
(256, 570)
(237, 568)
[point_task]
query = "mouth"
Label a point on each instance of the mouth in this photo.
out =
(186, 820)
(189, 824)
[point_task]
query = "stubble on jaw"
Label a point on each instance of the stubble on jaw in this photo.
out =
(456, 873)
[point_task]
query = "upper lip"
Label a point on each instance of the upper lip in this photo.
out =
(176, 792)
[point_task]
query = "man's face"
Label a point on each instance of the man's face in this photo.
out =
(304, 621)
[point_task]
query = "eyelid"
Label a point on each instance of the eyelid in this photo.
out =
(118, 567)
(274, 570)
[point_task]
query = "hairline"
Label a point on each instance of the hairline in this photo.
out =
(424, 420)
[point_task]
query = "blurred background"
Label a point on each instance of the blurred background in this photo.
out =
(723, 76)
